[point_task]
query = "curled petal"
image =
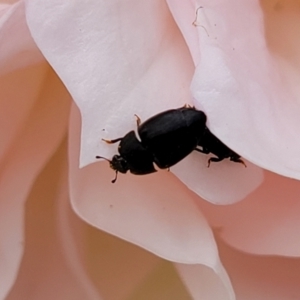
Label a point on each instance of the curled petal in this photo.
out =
(261, 277)
(248, 91)
(55, 271)
(162, 218)
(207, 283)
(266, 222)
(29, 134)
(18, 68)
(37, 139)
(18, 50)
(222, 183)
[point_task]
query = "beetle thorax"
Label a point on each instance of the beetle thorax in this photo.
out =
(118, 163)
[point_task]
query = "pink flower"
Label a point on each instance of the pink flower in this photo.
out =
(115, 59)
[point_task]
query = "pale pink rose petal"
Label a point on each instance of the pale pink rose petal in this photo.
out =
(72, 234)
(35, 142)
(249, 94)
(205, 283)
(112, 262)
(96, 262)
(50, 269)
(7, 2)
(3, 7)
(139, 274)
(19, 89)
(18, 50)
(266, 222)
(185, 16)
(222, 183)
(261, 277)
(281, 24)
(18, 95)
(118, 60)
(187, 19)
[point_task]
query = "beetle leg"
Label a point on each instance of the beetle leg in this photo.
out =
(238, 160)
(112, 141)
(138, 120)
(215, 159)
(115, 179)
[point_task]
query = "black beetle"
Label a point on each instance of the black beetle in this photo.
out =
(165, 139)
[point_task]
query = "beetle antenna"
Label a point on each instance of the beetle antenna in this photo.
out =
(103, 158)
(115, 179)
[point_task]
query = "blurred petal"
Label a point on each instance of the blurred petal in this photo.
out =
(3, 7)
(162, 283)
(261, 277)
(140, 275)
(41, 132)
(249, 94)
(53, 271)
(281, 21)
(19, 93)
(205, 283)
(266, 222)
(136, 273)
(7, 2)
(112, 263)
(18, 68)
(18, 50)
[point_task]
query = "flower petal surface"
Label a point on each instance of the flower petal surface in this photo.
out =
(266, 222)
(55, 270)
(28, 151)
(205, 283)
(17, 46)
(261, 277)
(18, 51)
(245, 80)
(25, 123)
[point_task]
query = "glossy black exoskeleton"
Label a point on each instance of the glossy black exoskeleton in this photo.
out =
(211, 144)
(165, 139)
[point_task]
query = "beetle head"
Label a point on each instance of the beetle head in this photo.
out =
(119, 164)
